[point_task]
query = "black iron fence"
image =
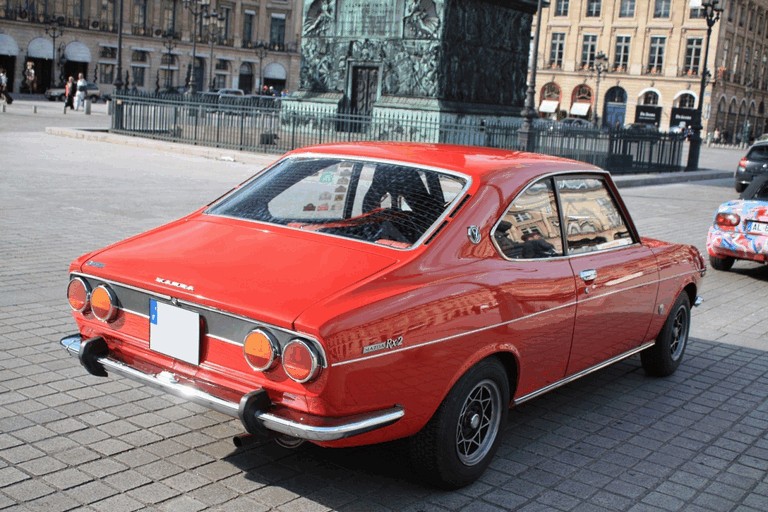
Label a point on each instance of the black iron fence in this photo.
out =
(266, 124)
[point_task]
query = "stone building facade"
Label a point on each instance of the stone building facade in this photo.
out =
(253, 43)
(655, 53)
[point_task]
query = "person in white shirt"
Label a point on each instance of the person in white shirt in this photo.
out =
(80, 95)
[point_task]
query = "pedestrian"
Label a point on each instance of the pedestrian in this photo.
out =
(80, 94)
(29, 77)
(3, 83)
(69, 94)
(716, 136)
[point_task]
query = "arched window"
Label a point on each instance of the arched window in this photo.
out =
(686, 101)
(650, 98)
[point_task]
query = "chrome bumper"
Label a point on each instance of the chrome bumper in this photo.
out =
(254, 409)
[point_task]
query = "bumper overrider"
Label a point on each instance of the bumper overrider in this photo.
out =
(259, 416)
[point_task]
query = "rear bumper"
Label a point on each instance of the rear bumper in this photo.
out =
(258, 415)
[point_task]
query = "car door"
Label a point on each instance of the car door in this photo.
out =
(616, 276)
(537, 298)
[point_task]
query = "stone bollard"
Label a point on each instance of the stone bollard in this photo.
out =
(87, 106)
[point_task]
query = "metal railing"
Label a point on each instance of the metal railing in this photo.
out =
(272, 125)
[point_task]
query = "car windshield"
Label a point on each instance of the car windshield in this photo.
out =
(385, 203)
(758, 153)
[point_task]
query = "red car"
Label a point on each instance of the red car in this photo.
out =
(358, 293)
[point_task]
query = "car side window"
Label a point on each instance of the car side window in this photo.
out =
(593, 220)
(530, 228)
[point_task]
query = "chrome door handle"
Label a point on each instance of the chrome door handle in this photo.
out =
(588, 275)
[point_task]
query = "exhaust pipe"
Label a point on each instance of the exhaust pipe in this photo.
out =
(245, 440)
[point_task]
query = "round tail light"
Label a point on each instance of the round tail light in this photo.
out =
(104, 303)
(78, 294)
(260, 350)
(300, 361)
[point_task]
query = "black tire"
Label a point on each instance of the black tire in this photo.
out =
(724, 264)
(663, 358)
(459, 441)
(740, 187)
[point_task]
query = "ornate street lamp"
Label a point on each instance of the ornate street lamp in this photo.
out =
(526, 137)
(196, 8)
(601, 66)
(53, 31)
(712, 15)
(214, 24)
(118, 83)
(261, 52)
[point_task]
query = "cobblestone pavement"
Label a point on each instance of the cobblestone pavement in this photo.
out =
(616, 440)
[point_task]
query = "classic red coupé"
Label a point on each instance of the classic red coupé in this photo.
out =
(357, 293)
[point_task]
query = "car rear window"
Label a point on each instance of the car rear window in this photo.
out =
(758, 153)
(384, 203)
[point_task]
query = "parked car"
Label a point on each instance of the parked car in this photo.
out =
(740, 228)
(642, 128)
(576, 122)
(92, 92)
(754, 163)
(358, 293)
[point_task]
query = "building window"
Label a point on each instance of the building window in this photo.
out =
(561, 8)
(661, 8)
(248, 20)
(687, 101)
(650, 98)
(588, 49)
(551, 92)
(731, 8)
(140, 13)
(107, 73)
(277, 31)
(696, 13)
(656, 55)
(138, 76)
(169, 17)
(743, 16)
(108, 52)
(593, 8)
(139, 56)
(556, 50)
(693, 56)
(226, 14)
(752, 17)
(621, 62)
(627, 9)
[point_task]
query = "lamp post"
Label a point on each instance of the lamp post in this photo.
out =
(169, 43)
(196, 8)
(261, 52)
(53, 31)
(214, 24)
(526, 136)
(118, 83)
(601, 66)
(712, 15)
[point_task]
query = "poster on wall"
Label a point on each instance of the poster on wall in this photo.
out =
(648, 114)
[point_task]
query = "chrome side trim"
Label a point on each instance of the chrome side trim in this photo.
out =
(330, 429)
(582, 373)
(698, 301)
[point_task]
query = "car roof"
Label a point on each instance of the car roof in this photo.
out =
(470, 160)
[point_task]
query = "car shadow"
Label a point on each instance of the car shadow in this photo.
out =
(614, 426)
(754, 270)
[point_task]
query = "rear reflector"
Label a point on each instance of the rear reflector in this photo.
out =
(300, 361)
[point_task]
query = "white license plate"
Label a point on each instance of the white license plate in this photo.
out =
(758, 227)
(174, 331)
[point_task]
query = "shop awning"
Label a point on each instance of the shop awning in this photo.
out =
(77, 52)
(549, 106)
(274, 71)
(40, 48)
(8, 45)
(580, 109)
